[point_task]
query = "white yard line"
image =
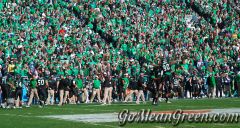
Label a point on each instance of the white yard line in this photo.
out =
(192, 126)
(86, 118)
(86, 109)
(115, 104)
(111, 126)
(159, 127)
(16, 115)
(96, 124)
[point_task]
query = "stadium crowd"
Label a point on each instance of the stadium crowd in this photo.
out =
(118, 50)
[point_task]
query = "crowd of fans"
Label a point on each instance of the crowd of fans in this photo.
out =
(116, 47)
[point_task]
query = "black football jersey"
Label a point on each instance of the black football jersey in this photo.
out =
(41, 81)
(166, 66)
(158, 71)
(18, 83)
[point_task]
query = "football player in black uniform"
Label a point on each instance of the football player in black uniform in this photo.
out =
(5, 93)
(42, 83)
(18, 92)
(177, 89)
(154, 83)
(11, 95)
(166, 79)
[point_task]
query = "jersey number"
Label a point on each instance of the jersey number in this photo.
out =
(19, 84)
(41, 82)
(166, 67)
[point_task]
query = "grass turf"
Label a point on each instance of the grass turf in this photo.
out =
(30, 117)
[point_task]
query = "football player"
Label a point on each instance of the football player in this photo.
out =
(18, 92)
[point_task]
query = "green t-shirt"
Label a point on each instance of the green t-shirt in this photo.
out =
(75, 71)
(86, 72)
(33, 83)
(69, 72)
(126, 83)
(124, 47)
(79, 83)
(96, 84)
(212, 81)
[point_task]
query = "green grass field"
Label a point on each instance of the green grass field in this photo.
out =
(31, 117)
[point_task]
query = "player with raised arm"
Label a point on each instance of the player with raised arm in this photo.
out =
(166, 79)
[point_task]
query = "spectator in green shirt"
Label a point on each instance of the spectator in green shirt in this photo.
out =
(96, 89)
(78, 83)
(34, 92)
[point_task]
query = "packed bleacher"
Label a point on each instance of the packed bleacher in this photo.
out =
(119, 50)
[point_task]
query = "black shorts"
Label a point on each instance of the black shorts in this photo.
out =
(75, 91)
(5, 91)
(152, 88)
(11, 93)
(120, 89)
(167, 89)
(42, 92)
(195, 88)
(176, 89)
(18, 93)
(188, 87)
